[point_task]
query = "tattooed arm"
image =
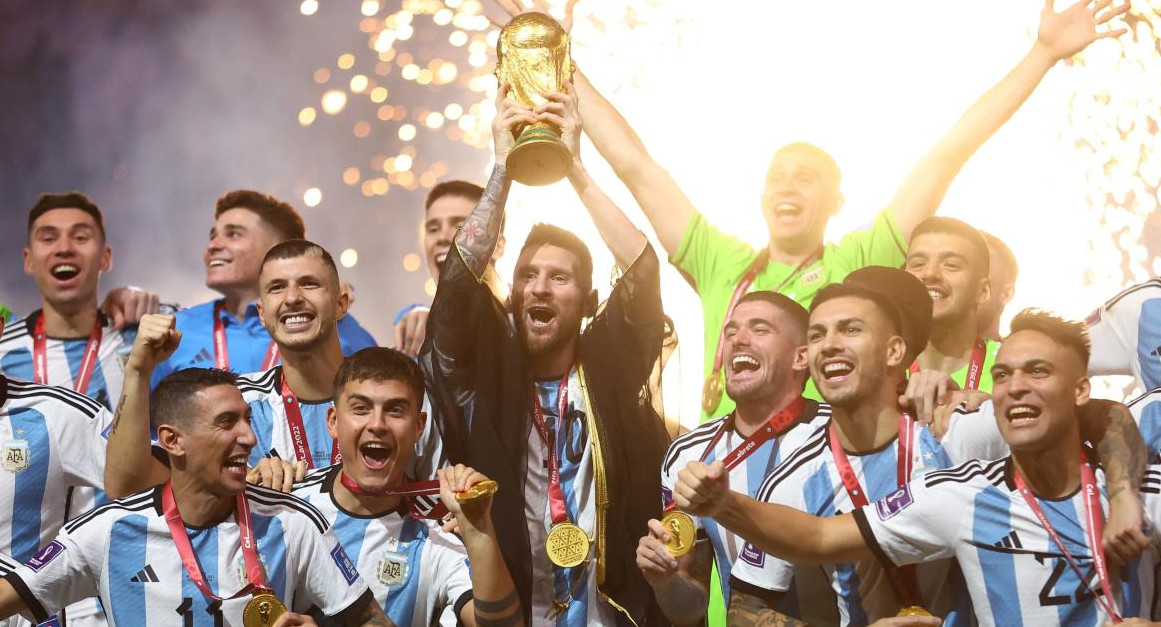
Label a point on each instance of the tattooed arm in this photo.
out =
(1121, 452)
(751, 610)
(364, 612)
(481, 231)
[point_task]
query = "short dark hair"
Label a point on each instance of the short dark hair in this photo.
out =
(378, 363)
(1006, 255)
(951, 226)
(829, 163)
(278, 215)
(910, 297)
(69, 200)
(858, 290)
(170, 402)
(295, 248)
(549, 235)
(462, 189)
(796, 312)
(1068, 333)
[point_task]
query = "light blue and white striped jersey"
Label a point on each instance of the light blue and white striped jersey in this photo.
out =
(418, 572)
(1126, 334)
(808, 480)
(1146, 410)
(1015, 572)
(124, 553)
(746, 478)
(65, 357)
(263, 392)
(578, 483)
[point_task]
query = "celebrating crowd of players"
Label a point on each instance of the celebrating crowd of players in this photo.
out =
(871, 451)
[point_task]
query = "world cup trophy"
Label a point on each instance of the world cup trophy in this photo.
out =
(533, 57)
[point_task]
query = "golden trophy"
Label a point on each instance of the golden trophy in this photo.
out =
(533, 57)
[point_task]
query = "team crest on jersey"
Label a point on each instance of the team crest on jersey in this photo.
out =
(894, 502)
(16, 455)
(393, 568)
(814, 276)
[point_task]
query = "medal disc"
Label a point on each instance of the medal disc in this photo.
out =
(567, 544)
(711, 392)
(681, 531)
(475, 491)
(913, 610)
(262, 611)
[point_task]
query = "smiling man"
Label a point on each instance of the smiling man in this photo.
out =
(228, 333)
(418, 572)
(1025, 529)
(68, 342)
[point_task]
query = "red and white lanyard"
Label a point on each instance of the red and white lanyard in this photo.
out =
(975, 370)
(298, 428)
(778, 424)
(1094, 516)
(902, 579)
(555, 493)
(418, 488)
(246, 536)
(88, 364)
(222, 352)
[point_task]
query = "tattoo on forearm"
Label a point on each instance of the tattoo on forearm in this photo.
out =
(1121, 451)
(493, 607)
(480, 232)
(750, 611)
(503, 613)
(117, 414)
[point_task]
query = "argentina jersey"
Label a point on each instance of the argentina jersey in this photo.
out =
(65, 356)
(1146, 410)
(1126, 334)
(808, 480)
(275, 436)
(123, 552)
(578, 585)
(746, 478)
(418, 572)
(1015, 572)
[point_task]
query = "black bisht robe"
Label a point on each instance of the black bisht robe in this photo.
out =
(481, 388)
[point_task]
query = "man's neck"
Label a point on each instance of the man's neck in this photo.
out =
(1052, 472)
(237, 301)
(550, 365)
(67, 320)
(198, 507)
(751, 414)
(950, 346)
(310, 373)
(362, 504)
(869, 424)
(792, 253)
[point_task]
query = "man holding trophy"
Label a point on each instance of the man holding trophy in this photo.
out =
(567, 419)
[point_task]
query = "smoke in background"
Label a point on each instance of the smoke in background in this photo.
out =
(155, 109)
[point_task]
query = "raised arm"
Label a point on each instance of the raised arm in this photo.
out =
(1121, 452)
(1060, 36)
(619, 234)
(494, 600)
(785, 532)
(129, 450)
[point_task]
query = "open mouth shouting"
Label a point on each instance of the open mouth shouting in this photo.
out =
(376, 455)
(836, 370)
(235, 466)
(787, 210)
(742, 365)
(440, 255)
(539, 316)
(1022, 414)
(218, 262)
(64, 271)
(296, 321)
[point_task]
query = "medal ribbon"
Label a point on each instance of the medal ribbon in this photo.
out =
(975, 365)
(190, 561)
(902, 579)
(88, 364)
(743, 287)
(555, 493)
(1093, 530)
(298, 429)
(222, 353)
(779, 423)
(418, 488)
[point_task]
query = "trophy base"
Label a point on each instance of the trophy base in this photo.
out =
(538, 158)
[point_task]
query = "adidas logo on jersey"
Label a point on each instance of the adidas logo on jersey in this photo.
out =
(145, 575)
(203, 355)
(1010, 541)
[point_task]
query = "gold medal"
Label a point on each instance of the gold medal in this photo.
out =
(263, 610)
(476, 490)
(567, 544)
(711, 392)
(913, 610)
(679, 525)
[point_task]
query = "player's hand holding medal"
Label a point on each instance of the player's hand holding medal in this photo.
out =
(467, 494)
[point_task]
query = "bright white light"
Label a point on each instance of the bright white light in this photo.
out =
(312, 197)
(333, 101)
(308, 7)
(349, 257)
